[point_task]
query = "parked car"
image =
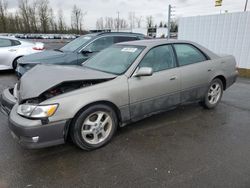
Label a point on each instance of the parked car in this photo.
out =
(122, 84)
(11, 49)
(77, 51)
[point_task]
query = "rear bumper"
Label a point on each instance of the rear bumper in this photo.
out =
(7, 101)
(33, 134)
(232, 79)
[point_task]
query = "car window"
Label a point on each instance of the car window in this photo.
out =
(188, 54)
(15, 43)
(115, 59)
(5, 42)
(100, 44)
(77, 43)
(159, 58)
(118, 39)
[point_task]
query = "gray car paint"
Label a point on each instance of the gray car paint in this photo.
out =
(127, 92)
(54, 76)
(123, 94)
(132, 97)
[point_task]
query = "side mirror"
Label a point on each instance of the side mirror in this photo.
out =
(86, 52)
(144, 71)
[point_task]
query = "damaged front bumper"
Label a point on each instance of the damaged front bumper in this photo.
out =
(7, 101)
(33, 134)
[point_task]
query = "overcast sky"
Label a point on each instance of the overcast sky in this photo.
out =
(157, 8)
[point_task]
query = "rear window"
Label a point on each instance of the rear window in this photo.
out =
(15, 42)
(188, 54)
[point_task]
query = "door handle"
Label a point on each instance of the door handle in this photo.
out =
(173, 78)
(209, 70)
(12, 50)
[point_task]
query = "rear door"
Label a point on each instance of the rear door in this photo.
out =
(7, 53)
(150, 94)
(195, 68)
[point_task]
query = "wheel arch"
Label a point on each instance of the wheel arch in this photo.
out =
(16, 59)
(103, 102)
(223, 80)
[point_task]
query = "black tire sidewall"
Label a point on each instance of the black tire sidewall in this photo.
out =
(14, 63)
(206, 101)
(78, 123)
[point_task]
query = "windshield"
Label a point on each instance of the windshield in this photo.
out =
(115, 59)
(77, 43)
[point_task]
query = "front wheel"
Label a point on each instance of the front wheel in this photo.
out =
(214, 94)
(94, 127)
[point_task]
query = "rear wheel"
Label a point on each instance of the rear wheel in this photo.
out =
(94, 127)
(214, 94)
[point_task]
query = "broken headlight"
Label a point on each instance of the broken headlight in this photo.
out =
(37, 111)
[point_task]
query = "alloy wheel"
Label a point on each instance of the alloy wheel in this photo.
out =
(96, 127)
(214, 93)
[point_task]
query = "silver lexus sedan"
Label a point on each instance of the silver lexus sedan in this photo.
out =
(122, 84)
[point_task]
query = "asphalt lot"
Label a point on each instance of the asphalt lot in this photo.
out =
(185, 147)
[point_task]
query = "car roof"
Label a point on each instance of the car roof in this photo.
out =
(154, 42)
(119, 33)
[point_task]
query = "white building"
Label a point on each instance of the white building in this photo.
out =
(223, 33)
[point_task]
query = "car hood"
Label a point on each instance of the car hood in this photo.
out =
(43, 57)
(44, 77)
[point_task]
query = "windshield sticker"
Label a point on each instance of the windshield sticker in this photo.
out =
(87, 38)
(131, 50)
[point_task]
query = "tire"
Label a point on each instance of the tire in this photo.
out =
(88, 133)
(14, 64)
(213, 95)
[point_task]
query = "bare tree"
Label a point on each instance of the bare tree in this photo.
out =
(17, 22)
(100, 23)
(3, 15)
(52, 22)
(131, 18)
(77, 19)
(24, 13)
(150, 22)
(122, 23)
(138, 21)
(109, 23)
(43, 13)
(61, 24)
(32, 12)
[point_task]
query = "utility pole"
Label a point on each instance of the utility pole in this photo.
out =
(118, 21)
(169, 19)
(245, 9)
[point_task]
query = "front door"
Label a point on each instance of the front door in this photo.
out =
(151, 94)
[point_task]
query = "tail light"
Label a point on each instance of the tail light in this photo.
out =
(38, 48)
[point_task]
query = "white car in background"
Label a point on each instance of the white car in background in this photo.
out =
(12, 49)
